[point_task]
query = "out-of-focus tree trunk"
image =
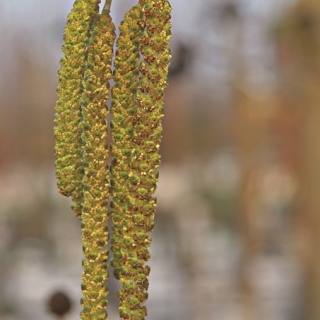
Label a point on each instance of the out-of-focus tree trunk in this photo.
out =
(251, 122)
(247, 138)
(175, 123)
(310, 193)
(299, 47)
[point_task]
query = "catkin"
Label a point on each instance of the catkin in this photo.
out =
(153, 69)
(96, 177)
(136, 155)
(140, 75)
(123, 109)
(67, 132)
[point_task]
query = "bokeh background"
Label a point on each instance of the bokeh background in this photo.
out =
(237, 234)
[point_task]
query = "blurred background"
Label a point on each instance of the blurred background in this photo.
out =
(237, 234)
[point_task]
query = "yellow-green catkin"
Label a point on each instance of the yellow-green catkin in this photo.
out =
(123, 109)
(153, 70)
(134, 205)
(141, 67)
(67, 132)
(96, 178)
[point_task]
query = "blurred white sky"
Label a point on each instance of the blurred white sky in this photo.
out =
(32, 15)
(37, 25)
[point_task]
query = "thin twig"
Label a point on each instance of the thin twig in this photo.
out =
(107, 5)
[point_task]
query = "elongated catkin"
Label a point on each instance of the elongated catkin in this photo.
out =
(68, 107)
(124, 105)
(81, 129)
(137, 135)
(96, 177)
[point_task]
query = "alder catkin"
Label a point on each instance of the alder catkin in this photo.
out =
(68, 107)
(140, 75)
(138, 98)
(96, 176)
(123, 109)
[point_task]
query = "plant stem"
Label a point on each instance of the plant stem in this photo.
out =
(107, 5)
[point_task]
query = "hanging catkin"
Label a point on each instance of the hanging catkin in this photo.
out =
(139, 99)
(140, 75)
(123, 109)
(96, 174)
(67, 132)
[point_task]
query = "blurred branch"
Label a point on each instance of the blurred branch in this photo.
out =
(107, 5)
